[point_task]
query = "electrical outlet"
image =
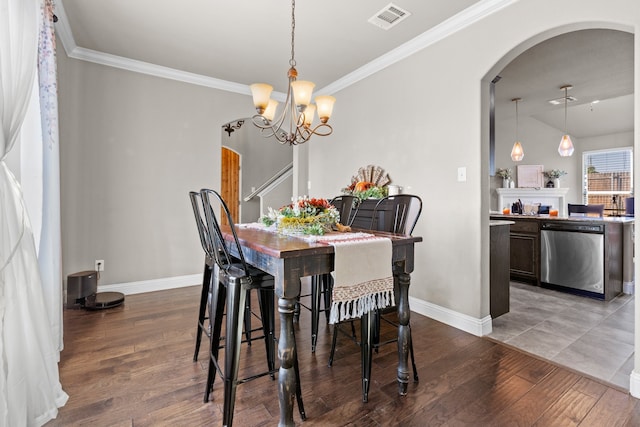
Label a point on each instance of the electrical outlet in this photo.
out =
(99, 265)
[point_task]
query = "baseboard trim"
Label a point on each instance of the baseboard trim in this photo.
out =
(472, 325)
(153, 285)
(634, 384)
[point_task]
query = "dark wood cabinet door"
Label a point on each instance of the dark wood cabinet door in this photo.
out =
(524, 259)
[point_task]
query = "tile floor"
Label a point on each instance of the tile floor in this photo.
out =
(591, 336)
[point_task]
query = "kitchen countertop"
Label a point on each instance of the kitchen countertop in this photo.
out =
(500, 222)
(606, 219)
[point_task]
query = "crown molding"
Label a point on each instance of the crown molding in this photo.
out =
(461, 20)
(467, 17)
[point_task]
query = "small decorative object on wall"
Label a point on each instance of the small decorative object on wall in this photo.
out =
(530, 176)
(552, 177)
(506, 175)
(369, 183)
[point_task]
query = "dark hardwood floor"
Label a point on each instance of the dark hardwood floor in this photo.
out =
(132, 366)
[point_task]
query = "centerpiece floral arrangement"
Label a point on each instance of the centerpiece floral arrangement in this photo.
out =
(554, 173)
(304, 216)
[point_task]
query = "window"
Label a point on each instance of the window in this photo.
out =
(608, 178)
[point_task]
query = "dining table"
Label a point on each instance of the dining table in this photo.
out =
(288, 259)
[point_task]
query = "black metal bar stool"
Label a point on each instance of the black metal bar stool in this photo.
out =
(230, 284)
(395, 214)
(202, 327)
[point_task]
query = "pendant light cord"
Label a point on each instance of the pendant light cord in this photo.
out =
(565, 110)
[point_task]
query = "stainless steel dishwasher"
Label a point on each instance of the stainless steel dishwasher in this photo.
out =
(572, 256)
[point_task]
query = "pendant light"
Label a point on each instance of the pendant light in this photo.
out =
(566, 146)
(517, 153)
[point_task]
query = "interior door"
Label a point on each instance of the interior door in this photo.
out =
(230, 183)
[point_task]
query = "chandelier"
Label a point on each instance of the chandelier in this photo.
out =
(294, 125)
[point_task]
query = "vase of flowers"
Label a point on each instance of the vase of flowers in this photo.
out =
(506, 175)
(553, 177)
(304, 216)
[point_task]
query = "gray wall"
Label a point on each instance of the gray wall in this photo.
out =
(131, 148)
(260, 159)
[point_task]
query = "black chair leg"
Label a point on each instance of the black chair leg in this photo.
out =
(327, 288)
(413, 359)
(247, 320)
(202, 312)
(216, 313)
(296, 369)
(315, 310)
(334, 341)
(267, 310)
(236, 300)
(366, 351)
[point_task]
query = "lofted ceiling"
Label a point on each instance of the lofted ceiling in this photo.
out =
(231, 44)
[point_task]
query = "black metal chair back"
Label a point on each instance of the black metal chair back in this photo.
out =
(213, 202)
(347, 206)
(196, 204)
(207, 247)
(397, 214)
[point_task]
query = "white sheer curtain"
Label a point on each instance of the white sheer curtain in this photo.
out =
(30, 390)
(50, 246)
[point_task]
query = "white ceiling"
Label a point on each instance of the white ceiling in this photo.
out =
(245, 41)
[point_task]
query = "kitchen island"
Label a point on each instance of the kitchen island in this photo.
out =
(582, 255)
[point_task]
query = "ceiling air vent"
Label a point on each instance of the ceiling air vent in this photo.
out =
(389, 17)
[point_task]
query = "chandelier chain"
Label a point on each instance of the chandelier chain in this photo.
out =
(292, 62)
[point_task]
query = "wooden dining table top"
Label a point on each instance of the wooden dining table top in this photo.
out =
(284, 246)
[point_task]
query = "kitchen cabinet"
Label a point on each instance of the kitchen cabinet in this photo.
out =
(524, 258)
(543, 254)
(499, 268)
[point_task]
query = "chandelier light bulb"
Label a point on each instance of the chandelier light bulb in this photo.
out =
(261, 93)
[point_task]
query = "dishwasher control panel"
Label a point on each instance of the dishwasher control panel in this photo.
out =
(579, 228)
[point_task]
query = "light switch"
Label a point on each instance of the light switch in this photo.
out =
(462, 174)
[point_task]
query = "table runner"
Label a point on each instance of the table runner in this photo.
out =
(362, 276)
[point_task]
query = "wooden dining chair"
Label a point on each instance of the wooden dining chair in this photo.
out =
(321, 285)
(230, 286)
(395, 214)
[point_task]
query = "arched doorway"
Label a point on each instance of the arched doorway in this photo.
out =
(539, 143)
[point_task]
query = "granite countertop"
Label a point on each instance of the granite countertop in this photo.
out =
(607, 219)
(493, 222)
